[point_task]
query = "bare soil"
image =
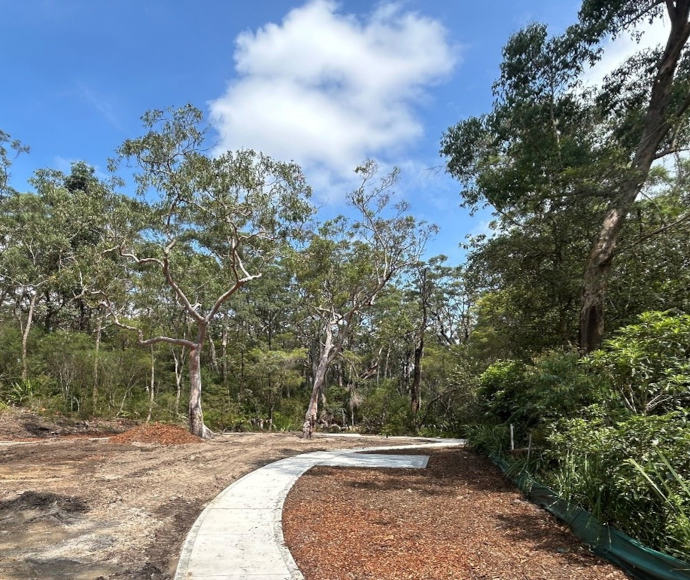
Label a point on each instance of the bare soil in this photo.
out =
(95, 508)
(457, 519)
(18, 424)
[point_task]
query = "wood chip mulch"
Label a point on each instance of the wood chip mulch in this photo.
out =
(459, 518)
(158, 433)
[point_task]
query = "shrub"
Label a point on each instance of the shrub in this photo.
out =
(597, 465)
(647, 364)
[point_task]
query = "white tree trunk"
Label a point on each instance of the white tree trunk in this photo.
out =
(325, 357)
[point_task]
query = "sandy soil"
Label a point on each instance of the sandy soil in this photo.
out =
(90, 508)
(457, 519)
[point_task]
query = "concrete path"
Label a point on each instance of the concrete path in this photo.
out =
(240, 536)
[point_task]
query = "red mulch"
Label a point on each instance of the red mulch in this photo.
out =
(457, 519)
(159, 433)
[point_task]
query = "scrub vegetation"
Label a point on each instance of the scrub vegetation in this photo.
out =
(199, 288)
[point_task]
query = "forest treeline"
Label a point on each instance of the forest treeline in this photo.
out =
(569, 322)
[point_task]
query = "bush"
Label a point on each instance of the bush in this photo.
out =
(647, 364)
(532, 396)
(386, 411)
(602, 467)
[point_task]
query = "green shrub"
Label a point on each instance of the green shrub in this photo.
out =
(386, 411)
(594, 465)
(489, 439)
(503, 390)
(647, 364)
(532, 396)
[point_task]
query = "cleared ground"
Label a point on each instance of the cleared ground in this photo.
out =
(82, 508)
(73, 506)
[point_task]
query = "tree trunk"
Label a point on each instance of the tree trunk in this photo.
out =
(25, 336)
(96, 361)
(152, 386)
(657, 124)
(224, 354)
(178, 378)
(325, 357)
(196, 416)
(385, 367)
(214, 358)
(416, 387)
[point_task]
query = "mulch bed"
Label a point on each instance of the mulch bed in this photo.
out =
(158, 433)
(458, 519)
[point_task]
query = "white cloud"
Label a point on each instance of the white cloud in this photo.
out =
(328, 89)
(617, 51)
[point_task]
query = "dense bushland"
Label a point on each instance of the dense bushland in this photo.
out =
(610, 431)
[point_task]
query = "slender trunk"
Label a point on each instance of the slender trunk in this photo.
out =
(224, 354)
(407, 369)
(325, 357)
(25, 336)
(657, 124)
(178, 378)
(152, 389)
(214, 358)
(96, 361)
(416, 387)
(351, 389)
(196, 417)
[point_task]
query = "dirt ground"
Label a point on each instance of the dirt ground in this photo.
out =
(73, 506)
(457, 519)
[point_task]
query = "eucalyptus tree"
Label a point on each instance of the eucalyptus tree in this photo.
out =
(212, 224)
(43, 242)
(33, 253)
(348, 263)
(7, 144)
(534, 159)
(551, 147)
(647, 102)
(440, 307)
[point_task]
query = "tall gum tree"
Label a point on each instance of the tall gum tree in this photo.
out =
(211, 224)
(556, 151)
(42, 242)
(348, 263)
(660, 131)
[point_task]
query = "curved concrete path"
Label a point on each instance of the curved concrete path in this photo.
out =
(239, 535)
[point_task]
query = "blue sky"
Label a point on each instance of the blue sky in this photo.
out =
(324, 83)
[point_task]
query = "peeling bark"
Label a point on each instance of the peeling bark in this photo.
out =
(152, 386)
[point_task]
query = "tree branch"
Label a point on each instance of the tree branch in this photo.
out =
(140, 333)
(651, 234)
(165, 265)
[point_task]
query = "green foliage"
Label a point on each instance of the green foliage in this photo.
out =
(7, 143)
(502, 388)
(20, 393)
(609, 432)
(386, 411)
(489, 439)
(606, 468)
(555, 385)
(647, 364)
